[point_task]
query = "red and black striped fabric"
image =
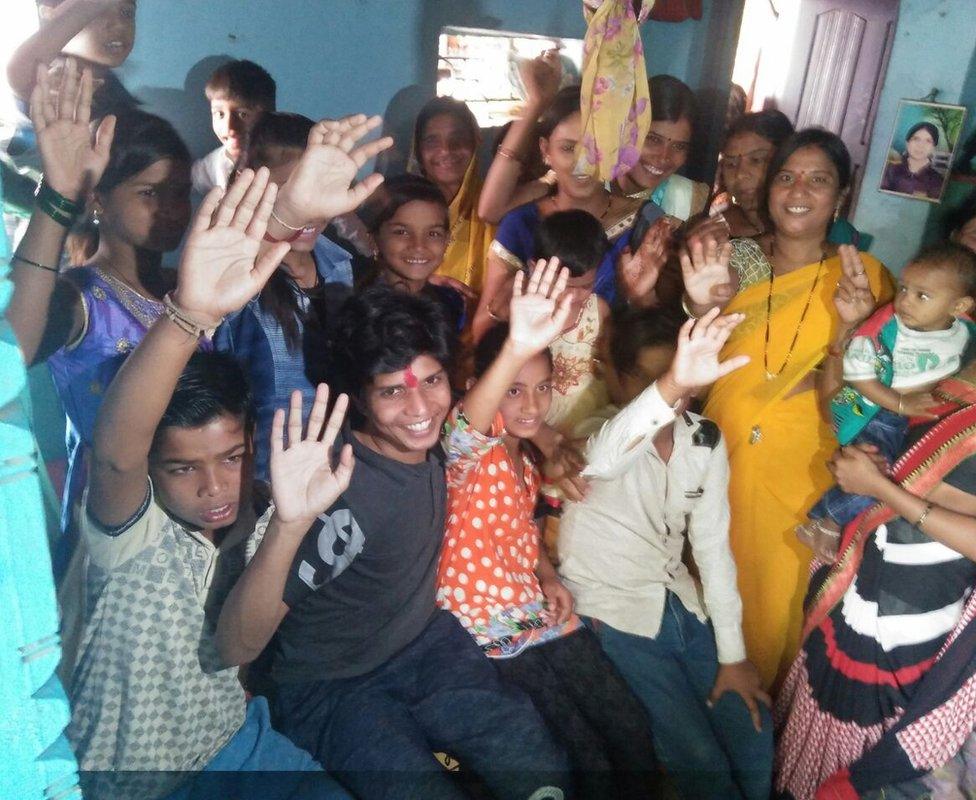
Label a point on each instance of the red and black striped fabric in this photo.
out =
(877, 633)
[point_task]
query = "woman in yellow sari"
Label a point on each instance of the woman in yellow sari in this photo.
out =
(445, 142)
(769, 411)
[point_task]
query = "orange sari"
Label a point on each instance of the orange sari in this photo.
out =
(778, 448)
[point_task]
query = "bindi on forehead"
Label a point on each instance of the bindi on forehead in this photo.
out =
(410, 379)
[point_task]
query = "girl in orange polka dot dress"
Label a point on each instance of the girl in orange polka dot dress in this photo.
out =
(497, 579)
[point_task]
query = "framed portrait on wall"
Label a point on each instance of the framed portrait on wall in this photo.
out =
(922, 149)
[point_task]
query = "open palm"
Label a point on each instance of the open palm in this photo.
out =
(637, 272)
(221, 268)
(321, 187)
(696, 362)
(61, 115)
(303, 480)
(539, 311)
(705, 270)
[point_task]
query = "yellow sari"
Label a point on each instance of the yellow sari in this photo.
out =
(470, 238)
(778, 449)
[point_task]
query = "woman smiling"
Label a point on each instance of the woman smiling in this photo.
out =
(768, 411)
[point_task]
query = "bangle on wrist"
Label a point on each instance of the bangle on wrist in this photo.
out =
(901, 401)
(686, 308)
(511, 155)
(296, 233)
(185, 322)
(34, 264)
(55, 205)
(284, 224)
(923, 515)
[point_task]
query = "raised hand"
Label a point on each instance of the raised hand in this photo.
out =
(221, 268)
(637, 273)
(539, 312)
(696, 363)
(541, 77)
(706, 273)
(853, 298)
(303, 481)
(60, 109)
(321, 187)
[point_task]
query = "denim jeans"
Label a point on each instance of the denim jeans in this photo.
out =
(258, 763)
(712, 753)
(886, 431)
(378, 732)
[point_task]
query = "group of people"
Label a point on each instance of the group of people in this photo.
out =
(491, 479)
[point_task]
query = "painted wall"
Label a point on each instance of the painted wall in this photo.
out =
(334, 57)
(934, 48)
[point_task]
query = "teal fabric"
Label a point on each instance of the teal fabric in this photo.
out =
(35, 760)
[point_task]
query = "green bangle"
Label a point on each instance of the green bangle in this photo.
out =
(58, 207)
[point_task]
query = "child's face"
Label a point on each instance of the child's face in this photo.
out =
(107, 40)
(579, 289)
(446, 148)
(150, 210)
(405, 410)
(527, 400)
(197, 472)
(232, 120)
(559, 152)
(412, 243)
(652, 362)
(930, 297)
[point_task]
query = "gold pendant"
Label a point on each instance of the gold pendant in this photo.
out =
(769, 375)
(755, 435)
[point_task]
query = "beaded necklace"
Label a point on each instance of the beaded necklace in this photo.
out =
(799, 327)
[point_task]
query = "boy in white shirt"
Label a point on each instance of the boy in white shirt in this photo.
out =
(658, 478)
(240, 92)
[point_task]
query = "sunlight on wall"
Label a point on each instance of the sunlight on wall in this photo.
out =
(763, 56)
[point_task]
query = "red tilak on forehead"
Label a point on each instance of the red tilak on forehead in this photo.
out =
(409, 379)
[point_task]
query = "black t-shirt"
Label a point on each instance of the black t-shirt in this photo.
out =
(362, 584)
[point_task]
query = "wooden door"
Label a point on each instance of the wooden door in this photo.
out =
(840, 56)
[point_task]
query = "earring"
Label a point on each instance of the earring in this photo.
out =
(96, 217)
(837, 213)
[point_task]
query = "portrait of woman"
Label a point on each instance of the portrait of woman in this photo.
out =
(921, 149)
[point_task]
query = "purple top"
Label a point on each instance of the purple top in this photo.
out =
(926, 182)
(116, 318)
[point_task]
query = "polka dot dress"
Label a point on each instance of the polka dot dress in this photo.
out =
(487, 566)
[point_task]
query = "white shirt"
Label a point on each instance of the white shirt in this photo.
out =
(212, 170)
(919, 357)
(620, 548)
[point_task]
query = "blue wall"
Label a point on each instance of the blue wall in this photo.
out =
(335, 57)
(934, 48)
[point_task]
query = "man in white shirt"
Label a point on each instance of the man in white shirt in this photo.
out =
(658, 478)
(240, 92)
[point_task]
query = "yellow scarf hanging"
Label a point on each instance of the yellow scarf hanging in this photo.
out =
(615, 100)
